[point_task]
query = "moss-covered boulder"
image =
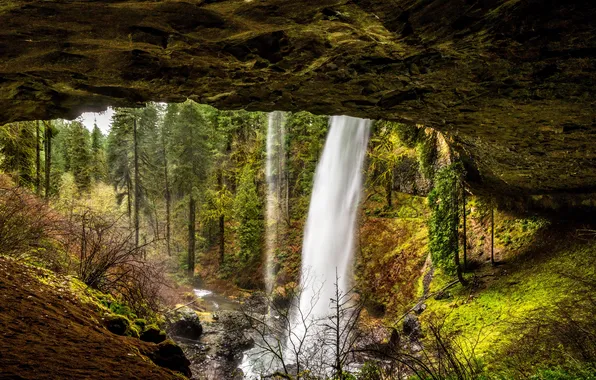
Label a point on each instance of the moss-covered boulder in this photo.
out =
(184, 322)
(120, 325)
(153, 334)
(169, 355)
(116, 324)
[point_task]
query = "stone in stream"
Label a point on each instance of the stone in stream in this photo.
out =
(185, 323)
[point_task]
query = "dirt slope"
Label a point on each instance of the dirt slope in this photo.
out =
(47, 333)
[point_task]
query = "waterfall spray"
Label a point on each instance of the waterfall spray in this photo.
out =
(328, 242)
(330, 231)
(275, 170)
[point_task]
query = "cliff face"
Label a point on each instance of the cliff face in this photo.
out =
(510, 82)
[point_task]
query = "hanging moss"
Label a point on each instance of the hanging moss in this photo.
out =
(427, 154)
(408, 134)
(442, 225)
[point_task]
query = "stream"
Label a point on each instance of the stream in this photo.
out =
(219, 351)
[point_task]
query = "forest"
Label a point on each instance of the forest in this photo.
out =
(188, 223)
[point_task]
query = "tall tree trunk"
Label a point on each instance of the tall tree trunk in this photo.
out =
(465, 231)
(460, 276)
(191, 236)
(389, 192)
(48, 156)
(222, 224)
(129, 203)
(168, 197)
(222, 239)
(37, 160)
(136, 183)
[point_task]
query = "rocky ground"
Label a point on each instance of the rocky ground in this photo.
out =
(218, 351)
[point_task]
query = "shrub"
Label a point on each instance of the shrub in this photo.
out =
(28, 228)
(109, 261)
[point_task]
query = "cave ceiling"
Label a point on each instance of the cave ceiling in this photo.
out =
(510, 83)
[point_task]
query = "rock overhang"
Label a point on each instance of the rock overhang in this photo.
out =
(511, 83)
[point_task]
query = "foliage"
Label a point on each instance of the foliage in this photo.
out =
(384, 155)
(99, 168)
(248, 212)
(427, 153)
(444, 218)
(79, 151)
(28, 228)
(408, 134)
(17, 151)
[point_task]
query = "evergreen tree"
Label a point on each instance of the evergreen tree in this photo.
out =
(191, 153)
(80, 155)
(99, 168)
(120, 157)
(248, 212)
(18, 151)
(49, 132)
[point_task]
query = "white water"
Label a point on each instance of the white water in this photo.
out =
(330, 232)
(276, 135)
(329, 241)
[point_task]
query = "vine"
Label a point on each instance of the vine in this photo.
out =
(444, 219)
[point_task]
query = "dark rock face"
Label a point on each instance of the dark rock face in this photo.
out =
(185, 324)
(153, 334)
(169, 355)
(511, 83)
(411, 327)
(117, 324)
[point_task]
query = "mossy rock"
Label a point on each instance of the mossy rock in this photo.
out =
(120, 325)
(116, 324)
(141, 323)
(169, 355)
(153, 334)
(185, 323)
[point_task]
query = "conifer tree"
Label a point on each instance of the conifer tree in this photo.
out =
(192, 156)
(80, 155)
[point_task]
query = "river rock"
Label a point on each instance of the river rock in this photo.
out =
(411, 326)
(185, 323)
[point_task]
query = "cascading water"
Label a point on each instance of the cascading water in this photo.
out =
(276, 135)
(328, 246)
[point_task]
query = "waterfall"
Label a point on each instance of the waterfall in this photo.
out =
(330, 231)
(275, 170)
(328, 245)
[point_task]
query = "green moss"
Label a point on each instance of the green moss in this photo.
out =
(427, 154)
(483, 318)
(444, 219)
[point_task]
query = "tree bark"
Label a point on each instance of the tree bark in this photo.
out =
(460, 276)
(465, 239)
(136, 183)
(389, 192)
(191, 236)
(222, 224)
(48, 157)
(37, 160)
(492, 233)
(168, 197)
